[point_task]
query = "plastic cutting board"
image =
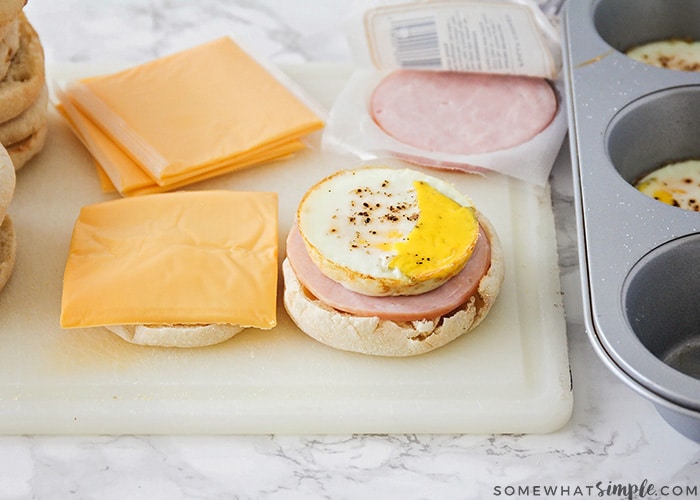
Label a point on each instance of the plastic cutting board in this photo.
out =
(511, 375)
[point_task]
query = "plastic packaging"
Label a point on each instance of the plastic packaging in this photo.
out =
(491, 36)
(495, 37)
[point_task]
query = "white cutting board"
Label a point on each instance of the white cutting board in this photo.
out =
(511, 375)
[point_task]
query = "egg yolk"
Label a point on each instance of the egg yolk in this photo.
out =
(663, 196)
(441, 241)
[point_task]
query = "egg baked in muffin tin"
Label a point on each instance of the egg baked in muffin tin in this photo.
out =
(676, 184)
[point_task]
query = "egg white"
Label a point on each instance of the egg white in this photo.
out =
(351, 220)
(676, 54)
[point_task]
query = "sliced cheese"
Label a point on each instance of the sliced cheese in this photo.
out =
(198, 257)
(120, 172)
(194, 110)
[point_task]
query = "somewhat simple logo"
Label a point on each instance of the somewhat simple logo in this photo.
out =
(601, 489)
(629, 490)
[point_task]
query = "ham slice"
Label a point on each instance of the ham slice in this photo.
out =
(430, 305)
(462, 113)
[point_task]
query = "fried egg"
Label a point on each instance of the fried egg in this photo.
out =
(383, 231)
(678, 54)
(676, 184)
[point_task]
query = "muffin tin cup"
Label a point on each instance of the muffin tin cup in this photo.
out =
(660, 301)
(623, 24)
(680, 418)
(627, 118)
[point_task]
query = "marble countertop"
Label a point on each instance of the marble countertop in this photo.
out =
(614, 438)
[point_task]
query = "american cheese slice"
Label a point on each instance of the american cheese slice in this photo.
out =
(122, 171)
(104, 180)
(187, 257)
(194, 110)
(119, 171)
(279, 152)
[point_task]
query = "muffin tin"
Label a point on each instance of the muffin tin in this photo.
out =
(640, 258)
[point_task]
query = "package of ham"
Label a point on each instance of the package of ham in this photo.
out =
(470, 85)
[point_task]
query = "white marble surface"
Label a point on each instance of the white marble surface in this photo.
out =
(614, 436)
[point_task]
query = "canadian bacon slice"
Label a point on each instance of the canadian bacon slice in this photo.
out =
(462, 113)
(429, 305)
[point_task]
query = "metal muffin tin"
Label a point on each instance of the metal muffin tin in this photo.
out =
(640, 258)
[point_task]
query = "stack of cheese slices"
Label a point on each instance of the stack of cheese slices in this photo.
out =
(185, 117)
(23, 92)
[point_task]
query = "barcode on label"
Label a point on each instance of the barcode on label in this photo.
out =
(416, 43)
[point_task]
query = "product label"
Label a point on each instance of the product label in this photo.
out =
(488, 37)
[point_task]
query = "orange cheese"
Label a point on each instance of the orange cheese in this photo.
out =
(118, 171)
(194, 111)
(187, 257)
(123, 173)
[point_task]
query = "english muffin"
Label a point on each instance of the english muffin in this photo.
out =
(26, 149)
(25, 77)
(9, 45)
(8, 244)
(10, 10)
(27, 122)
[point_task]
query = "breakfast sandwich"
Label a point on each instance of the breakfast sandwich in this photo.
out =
(389, 262)
(180, 269)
